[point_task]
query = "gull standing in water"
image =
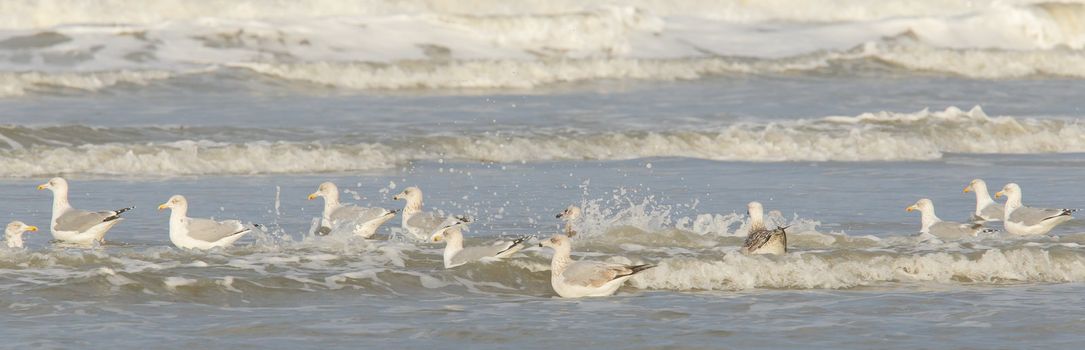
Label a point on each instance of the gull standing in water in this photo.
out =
(77, 226)
(455, 254)
(415, 221)
(568, 216)
(193, 233)
(761, 240)
(931, 224)
(1022, 220)
(364, 221)
(13, 234)
(575, 279)
(986, 208)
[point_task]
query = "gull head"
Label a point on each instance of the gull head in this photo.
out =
(921, 205)
(1011, 189)
(410, 194)
(569, 214)
(16, 228)
(177, 201)
(55, 184)
(754, 209)
(325, 190)
(976, 185)
(557, 242)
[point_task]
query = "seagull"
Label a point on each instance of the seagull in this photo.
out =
(455, 254)
(13, 234)
(569, 215)
(986, 208)
(760, 240)
(418, 222)
(575, 279)
(193, 233)
(365, 221)
(1022, 220)
(77, 226)
(944, 229)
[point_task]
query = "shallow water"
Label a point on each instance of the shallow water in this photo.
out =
(663, 124)
(856, 269)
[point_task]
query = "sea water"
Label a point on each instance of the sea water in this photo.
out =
(660, 120)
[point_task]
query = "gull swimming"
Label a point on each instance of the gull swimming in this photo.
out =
(986, 208)
(1022, 220)
(77, 226)
(761, 240)
(568, 216)
(415, 221)
(365, 221)
(455, 254)
(194, 233)
(575, 279)
(930, 223)
(13, 234)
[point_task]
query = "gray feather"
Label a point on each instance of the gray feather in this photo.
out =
(949, 229)
(76, 220)
(499, 249)
(596, 274)
(992, 212)
(353, 213)
(211, 231)
(1034, 216)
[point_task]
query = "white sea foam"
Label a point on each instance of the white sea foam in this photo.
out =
(842, 269)
(22, 83)
(485, 44)
(890, 136)
(48, 13)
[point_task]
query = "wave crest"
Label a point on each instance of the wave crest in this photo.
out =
(885, 136)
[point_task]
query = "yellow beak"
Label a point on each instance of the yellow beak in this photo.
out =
(41, 187)
(911, 208)
(438, 237)
(31, 228)
(163, 206)
(313, 196)
(968, 189)
(998, 194)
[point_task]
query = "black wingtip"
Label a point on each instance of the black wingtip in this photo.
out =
(516, 242)
(639, 268)
(117, 213)
(635, 269)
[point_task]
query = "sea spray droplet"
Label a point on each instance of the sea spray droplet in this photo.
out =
(278, 191)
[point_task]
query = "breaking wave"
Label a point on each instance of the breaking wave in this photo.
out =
(490, 45)
(881, 136)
